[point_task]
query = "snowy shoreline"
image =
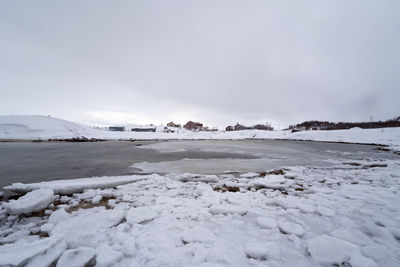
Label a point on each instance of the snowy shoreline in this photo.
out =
(43, 129)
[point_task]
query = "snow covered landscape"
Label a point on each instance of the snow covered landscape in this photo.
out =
(44, 128)
(343, 212)
(186, 133)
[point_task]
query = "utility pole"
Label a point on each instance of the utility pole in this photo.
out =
(371, 122)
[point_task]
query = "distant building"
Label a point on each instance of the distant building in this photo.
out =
(144, 129)
(194, 126)
(116, 128)
(172, 124)
(239, 127)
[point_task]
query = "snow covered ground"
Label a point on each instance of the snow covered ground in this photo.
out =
(347, 214)
(43, 127)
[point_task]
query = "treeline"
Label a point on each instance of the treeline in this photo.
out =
(326, 125)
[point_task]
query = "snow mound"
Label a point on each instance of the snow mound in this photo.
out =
(34, 201)
(78, 185)
(39, 127)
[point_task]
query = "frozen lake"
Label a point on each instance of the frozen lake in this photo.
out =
(29, 162)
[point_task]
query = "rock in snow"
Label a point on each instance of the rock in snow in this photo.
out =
(34, 201)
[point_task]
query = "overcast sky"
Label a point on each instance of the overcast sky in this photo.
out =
(218, 62)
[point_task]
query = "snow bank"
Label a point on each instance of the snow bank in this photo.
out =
(34, 201)
(43, 127)
(77, 185)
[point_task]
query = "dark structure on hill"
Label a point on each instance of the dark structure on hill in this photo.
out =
(239, 127)
(193, 126)
(326, 125)
(144, 129)
(116, 128)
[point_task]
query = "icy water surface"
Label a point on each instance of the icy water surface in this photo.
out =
(33, 162)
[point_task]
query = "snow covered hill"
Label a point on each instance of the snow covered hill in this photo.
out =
(44, 127)
(39, 127)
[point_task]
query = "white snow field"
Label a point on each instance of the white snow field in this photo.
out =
(341, 215)
(35, 127)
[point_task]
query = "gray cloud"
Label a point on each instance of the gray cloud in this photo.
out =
(214, 61)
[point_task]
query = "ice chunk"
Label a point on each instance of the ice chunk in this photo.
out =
(88, 227)
(329, 250)
(249, 175)
(198, 234)
(256, 250)
(188, 177)
(353, 235)
(46, 228)
(78, 257)
(49, 257)
(128, 248)
(96, 199)
(272, 182)
(79, 185)
(262, 250)
(34, 201)
(21, 252)
(306, 208)
(324, 211)
(15, 236)
(106, 256)
(291, 228)
(59, 216)
(266, 222)
(227, 209)
(140, 215)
